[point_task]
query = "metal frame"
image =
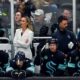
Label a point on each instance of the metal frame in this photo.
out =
(74, 16)
(12, 19)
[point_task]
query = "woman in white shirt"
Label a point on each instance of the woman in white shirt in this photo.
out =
(23, 37)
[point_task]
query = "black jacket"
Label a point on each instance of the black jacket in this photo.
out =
(43, 33)
(65, 38)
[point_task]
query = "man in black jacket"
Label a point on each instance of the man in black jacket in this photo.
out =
(66, 38)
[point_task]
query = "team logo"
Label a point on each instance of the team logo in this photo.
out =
(51, 67)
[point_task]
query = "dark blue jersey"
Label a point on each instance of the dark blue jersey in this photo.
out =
(50, 61)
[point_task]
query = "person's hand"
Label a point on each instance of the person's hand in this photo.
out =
(22, 74)
(14, 74)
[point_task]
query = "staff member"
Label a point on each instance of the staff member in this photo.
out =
(66, 38)
(23, 37)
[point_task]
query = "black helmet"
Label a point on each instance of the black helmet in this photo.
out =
(20, 55)
(53, 41)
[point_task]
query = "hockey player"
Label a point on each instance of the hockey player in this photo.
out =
(20, 67)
